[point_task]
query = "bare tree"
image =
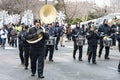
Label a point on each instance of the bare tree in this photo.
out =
(18, 6)
(12, 6)
(70, 10)
(74, 9)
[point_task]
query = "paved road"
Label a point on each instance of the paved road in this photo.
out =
(63, 67)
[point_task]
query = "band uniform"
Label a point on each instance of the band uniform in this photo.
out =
(37, 50)
(50, 43)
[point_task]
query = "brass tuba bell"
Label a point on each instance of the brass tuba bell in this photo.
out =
(36, 39)
(48, 14)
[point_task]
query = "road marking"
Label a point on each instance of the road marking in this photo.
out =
(3, 77)
(68, 46)
(10, 48)
(62, 59)
(113, 68)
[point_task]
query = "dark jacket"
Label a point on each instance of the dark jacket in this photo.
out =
(113, 28)
(118, 37)
(33, 33)
(50, 31)
(21, 39)
(105, 30)
(76, 32)
(92, 38)
(57, 31)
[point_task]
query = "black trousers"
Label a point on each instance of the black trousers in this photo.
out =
(76, 47)
(57, 40)
(69, 36)
(114, 41)
(26, 56)
(49, 48)
(92, 53)
(88, 51)
(119, 65)
(107, 49)
(37, 54)
(119, 46)
(0, 41)
(14, 43)
(8, 36)
(21, 54)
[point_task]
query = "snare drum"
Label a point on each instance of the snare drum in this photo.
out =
(107, 42)
(51, 41)
(80, 40)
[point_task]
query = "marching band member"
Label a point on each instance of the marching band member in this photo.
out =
(75, 33)
(113, 27)
(104, 30)
(50, 46)
(119, 66)
(86, 31)
(57, 34)
(37, 49)
(23, 47)
(20, 46)
(92, 37)
(118, 36)
(0, 37)
(26, 50)
(118, 39)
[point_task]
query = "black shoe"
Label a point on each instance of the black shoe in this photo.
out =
(33, 75)
(74, 57)
(56, 48)
(62, 45)
(44, 58)
(94, 63)
(80, 60)
(118, 70)
(99, 56)
(107, 58)
(26, 68)
(40, 76)
(88, 61)
(51, 60)
(22, 63)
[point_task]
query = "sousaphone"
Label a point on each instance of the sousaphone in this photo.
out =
(48, 15)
